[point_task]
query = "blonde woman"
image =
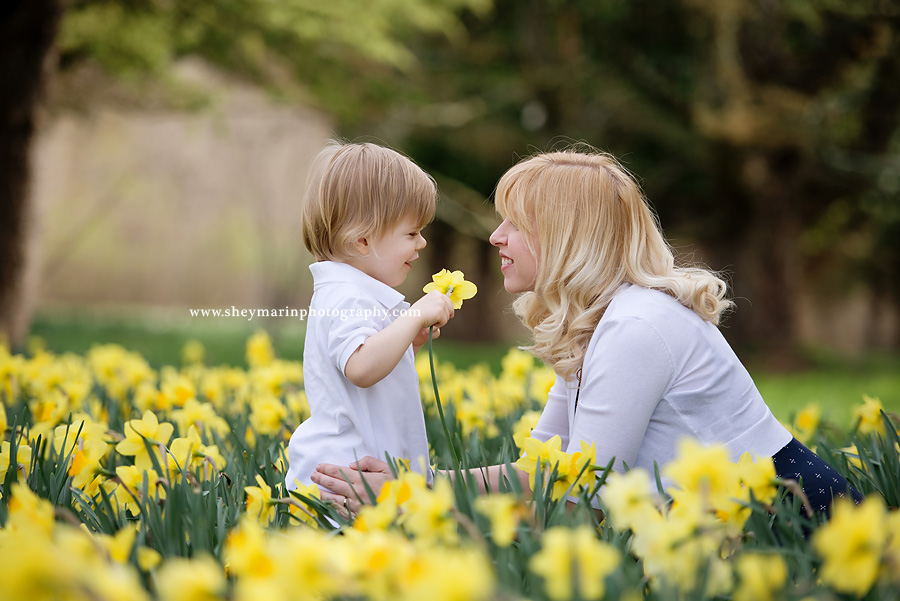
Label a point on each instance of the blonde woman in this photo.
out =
(639, 360)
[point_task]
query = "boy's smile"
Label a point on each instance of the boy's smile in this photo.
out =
(389, 257)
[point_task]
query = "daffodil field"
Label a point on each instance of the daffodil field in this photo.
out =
(122, 482)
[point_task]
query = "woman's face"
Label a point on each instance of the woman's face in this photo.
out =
(518, 265)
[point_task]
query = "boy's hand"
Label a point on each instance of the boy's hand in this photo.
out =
(433, 309)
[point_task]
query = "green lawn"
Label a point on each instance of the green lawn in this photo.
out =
(836, 385)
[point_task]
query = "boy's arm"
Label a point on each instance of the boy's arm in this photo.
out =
(382, 351)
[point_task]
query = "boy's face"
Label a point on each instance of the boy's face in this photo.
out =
(389, 258)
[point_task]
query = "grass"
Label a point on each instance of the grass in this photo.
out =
(835, 383)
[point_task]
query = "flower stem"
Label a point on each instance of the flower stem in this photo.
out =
(437, 398)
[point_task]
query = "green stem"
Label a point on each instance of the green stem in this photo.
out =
(437, 398)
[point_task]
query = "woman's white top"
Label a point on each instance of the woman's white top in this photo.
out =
(347, 422)
(656, 372)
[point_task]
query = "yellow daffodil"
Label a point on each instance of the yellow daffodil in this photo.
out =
(540, 456)
(259, 350)
(703, 474)
(427, 513)
(806, 422)
(504, 513)
(761, 577)
(453, 285)
(574, 563)
(631, 500)
(137, 431)
(302, 511)
(259, 501)
(757, 475)
(517, 365)
(28, 512)
(120, 544)
(573, 470)
(193, 352)
(679, 548)
(442, 573)
(148, 559)
(852, 544)
(523, 427)
(267, 414)
(133, 479)
(182, 579)
(542, 380)
(869, 416)
(22, 461)
(200, 414)
(245, 551)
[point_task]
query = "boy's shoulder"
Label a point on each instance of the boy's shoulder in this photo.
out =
(340, 282)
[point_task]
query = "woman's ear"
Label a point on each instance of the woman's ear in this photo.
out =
(362, 247)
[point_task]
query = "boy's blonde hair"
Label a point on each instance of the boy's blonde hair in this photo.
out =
(360, 191)
(585, 220)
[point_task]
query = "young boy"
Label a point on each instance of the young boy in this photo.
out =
(364, 210)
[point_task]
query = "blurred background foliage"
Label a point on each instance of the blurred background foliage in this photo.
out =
(765, 133)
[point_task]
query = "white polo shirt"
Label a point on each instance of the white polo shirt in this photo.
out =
(656, 372)
(347, 422)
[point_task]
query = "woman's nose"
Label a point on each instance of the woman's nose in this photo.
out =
(497, 237)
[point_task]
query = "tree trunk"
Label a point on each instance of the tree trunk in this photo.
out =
(27, 31)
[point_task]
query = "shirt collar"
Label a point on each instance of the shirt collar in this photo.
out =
(327, 272)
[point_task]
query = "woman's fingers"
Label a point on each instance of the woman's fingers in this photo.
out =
(335, 478)
(345, 507)
(370, 464)
(348, 480)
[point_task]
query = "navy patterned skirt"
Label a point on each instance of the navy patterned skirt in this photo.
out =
(821, 483)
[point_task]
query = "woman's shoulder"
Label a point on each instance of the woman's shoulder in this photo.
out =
(645, 303)
(655, 311)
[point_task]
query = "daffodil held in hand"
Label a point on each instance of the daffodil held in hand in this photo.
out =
(452, 285)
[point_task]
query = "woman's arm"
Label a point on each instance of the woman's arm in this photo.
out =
(491, 477)
(347, 488)
(626, 372)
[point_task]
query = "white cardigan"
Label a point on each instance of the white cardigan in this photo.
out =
(654, 373)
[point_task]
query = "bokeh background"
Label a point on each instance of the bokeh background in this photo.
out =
(155, 154)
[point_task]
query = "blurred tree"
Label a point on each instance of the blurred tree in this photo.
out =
(27, 29)
(338, 54)
(764, 131)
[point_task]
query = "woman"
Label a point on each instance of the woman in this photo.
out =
(639, 360)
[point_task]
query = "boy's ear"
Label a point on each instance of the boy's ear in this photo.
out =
(362, 246)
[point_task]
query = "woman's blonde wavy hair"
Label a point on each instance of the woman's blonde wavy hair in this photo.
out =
(584, 218)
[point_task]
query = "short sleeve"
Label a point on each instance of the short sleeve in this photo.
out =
(350, 321)
(627, 371)
(554, 418)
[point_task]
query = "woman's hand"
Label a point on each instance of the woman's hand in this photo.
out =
(345, 483)
(422, 338)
